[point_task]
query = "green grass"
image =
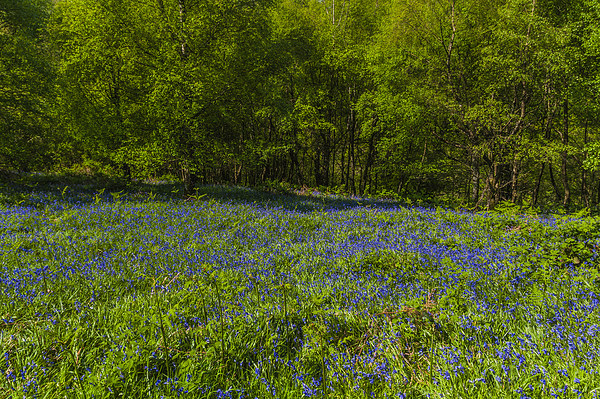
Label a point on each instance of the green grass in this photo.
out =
(132, 291)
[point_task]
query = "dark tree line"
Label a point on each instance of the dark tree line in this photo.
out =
(477, 101)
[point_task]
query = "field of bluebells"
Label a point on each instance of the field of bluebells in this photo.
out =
(236, 293)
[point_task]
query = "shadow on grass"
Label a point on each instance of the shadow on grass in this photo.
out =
(39, 190)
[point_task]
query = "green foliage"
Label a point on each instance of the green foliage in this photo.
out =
(25, 86)
(592, 160)
(465, 102)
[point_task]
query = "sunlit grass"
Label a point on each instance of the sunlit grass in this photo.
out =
(136, 292)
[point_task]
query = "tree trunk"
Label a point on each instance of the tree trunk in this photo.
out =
(326, 152)
(598, 193)
(536, 190)
(490, 183)
(495, 186)
(296, 166)
(475, 178)
(343, 181)
(514, 181)
(585, 198)
(368, 163)
(189, 179)
(553, 181)
(563, 155)
(237, 173)
(350, 186)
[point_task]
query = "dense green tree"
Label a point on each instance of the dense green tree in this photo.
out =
(318, 82)
(476, 101)
(156, 83)
(25, 85)
(493, 87)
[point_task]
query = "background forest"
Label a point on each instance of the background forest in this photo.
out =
(477, 101)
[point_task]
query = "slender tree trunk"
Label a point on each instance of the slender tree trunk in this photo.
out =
(237, 172)
(326, 157)
(368, 163)
(317, 172)
(293, 153)
(563, 155)
(358, 162)
(488, 191)
(342, 163)
(598, 193)
(475, 178)
(536, 190)
(585, 198)
(553, 181)
(369, 159)
(495, 197)
(331, 167)
(350, 187)
(515, 180)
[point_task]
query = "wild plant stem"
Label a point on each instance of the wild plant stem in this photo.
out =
(287, 324)
(222, 322)
(77, 375)
(164, 335)
(323, 368)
